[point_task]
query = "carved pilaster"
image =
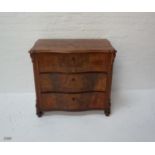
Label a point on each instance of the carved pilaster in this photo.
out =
(113, 57)
(32, 57)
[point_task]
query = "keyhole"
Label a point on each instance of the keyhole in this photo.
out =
(73, 58)
(73, 79)
(73, 98)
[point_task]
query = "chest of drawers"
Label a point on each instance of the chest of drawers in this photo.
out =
(72, 74)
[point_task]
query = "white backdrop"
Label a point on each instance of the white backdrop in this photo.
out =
(132, 34)
(133, 103)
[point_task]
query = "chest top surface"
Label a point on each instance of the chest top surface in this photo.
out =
(72, 46)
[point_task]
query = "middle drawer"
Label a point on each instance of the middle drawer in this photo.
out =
(74, 82)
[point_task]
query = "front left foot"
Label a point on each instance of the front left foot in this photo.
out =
(107, 111)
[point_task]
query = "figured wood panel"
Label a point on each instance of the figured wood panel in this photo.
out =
(82, 62)
(73, 82)
(73, 102)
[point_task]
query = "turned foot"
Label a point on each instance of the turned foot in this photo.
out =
(107, 111)
(39, 113)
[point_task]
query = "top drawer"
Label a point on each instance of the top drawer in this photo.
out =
(73, 62)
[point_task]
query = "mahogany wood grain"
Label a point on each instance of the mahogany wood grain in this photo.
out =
(83, 62)
(72, 45)
(57, 82)
(74, 102)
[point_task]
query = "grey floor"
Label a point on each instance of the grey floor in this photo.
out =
(132, 119)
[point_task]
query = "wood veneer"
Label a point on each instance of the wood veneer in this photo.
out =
(72, 74)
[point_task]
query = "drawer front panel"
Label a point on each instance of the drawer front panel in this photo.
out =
(73, 82)
(83, 62)
(73, 102)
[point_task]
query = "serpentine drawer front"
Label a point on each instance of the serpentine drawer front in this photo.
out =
(54, 82)
(72, 74)
(77, 101)
(73, 62)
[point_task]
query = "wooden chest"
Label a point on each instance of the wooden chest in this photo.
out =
(72, 74)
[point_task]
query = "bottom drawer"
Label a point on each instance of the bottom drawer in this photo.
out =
(73, 102)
